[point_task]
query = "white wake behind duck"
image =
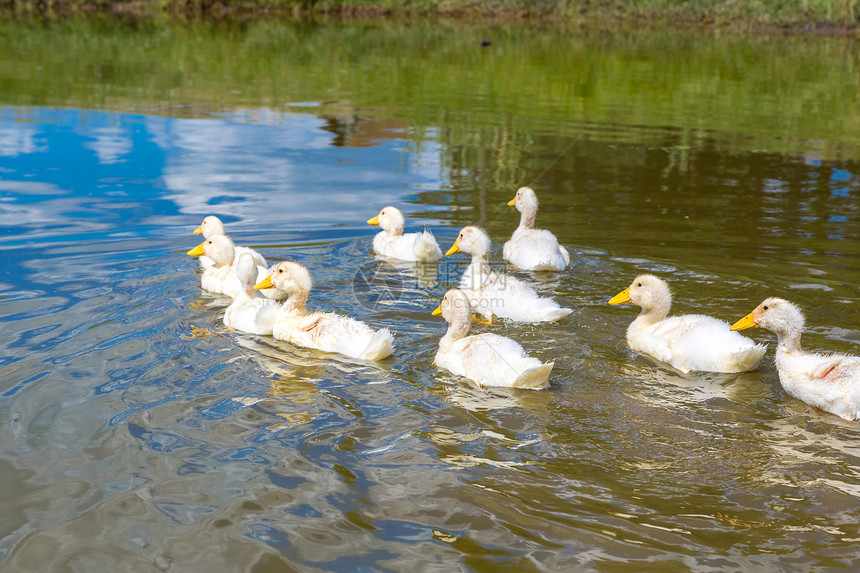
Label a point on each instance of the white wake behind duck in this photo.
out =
(495, 294)
(529, 248)
(830, 382)
(692, 342)
(391, 242)
(488, 359)
(324, 331)
(250, 311)
(212, 225)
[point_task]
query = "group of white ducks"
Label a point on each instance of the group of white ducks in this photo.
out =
(272, 301)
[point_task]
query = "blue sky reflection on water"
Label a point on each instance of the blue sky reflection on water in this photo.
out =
(115, 175)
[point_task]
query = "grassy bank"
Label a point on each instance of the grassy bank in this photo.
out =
(799, 14)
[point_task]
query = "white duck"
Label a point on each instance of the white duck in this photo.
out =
(212, 225)
(827, 381)
(529, 248)
(321, 330)
(391, 242)
(692, 342)
(250, 311)
(221, 277)
(488, 359)
(497, 294)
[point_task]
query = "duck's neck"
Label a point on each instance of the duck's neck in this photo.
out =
(651, 315)
(295, 303)
(788, 340)
(457, 329)
(527, 218)
(395, 232)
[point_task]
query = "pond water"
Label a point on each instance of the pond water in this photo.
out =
(140, 434)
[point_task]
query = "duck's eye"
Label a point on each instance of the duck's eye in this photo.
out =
(639, 284)
(280, 270)
(765, 307)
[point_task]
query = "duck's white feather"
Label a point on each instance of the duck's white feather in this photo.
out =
(488, 359)
(530, 248)
(690, 343)
(696, 343)
(830, 382)
(250, 311)
(331, 332)
(493, 360)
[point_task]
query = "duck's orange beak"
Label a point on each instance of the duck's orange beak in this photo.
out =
(455, 248)
(746, 322)
(265, 283)
(198, 250)
(622, 297)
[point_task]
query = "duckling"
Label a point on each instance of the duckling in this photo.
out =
(529, 248)
(830, 382)
(488, 359)
(212, 225)
(250, 311)
(496, 294)
(324, 331)
(691, 342)
(220, 277)
(391, 242)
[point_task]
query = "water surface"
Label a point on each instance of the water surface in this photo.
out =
(142, 434)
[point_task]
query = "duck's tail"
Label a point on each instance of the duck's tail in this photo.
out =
(535, 378)
(748, 358)
(426, 249)
(381, 345)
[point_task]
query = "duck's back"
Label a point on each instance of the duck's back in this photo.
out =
(253, 315)
(332, 332)
(493, 360)
(535, 249)
(827, 381)
(696, 342)
(221, 280)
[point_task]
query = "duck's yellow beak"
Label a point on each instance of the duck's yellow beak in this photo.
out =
(512, 202)
(265, 283)
(198, 250)
(438, 310)
(199, 230)
(455, 248)
(374, 221)
(623, 296)
(481, 321)
(746, 322)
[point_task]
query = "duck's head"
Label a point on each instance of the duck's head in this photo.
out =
(525, 200)
(454, 307)
(390, 219)
(472, 240)
(289, 277)
(211, 225)
(219, 248)
(775, 314)
(646, 291)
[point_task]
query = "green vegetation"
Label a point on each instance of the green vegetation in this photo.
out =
(805, 14)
